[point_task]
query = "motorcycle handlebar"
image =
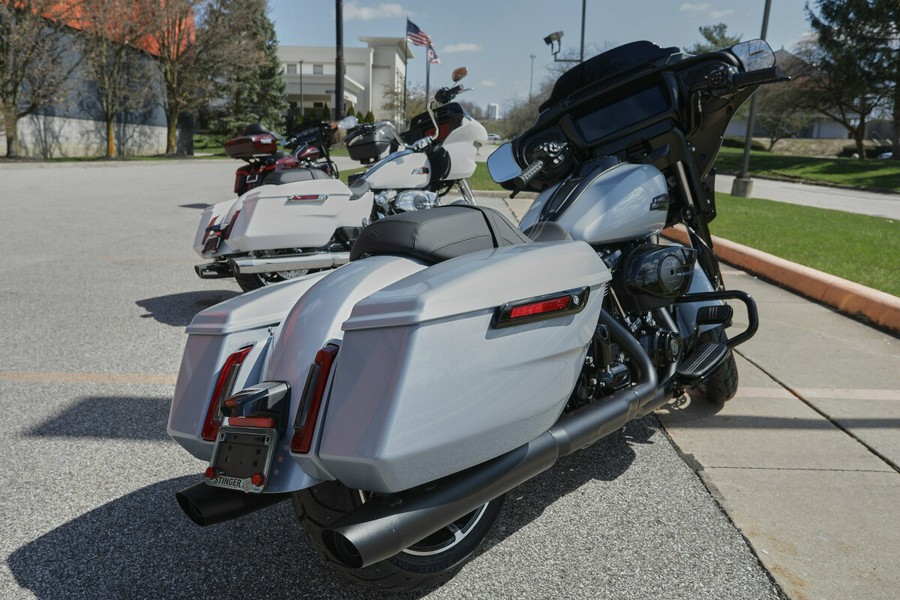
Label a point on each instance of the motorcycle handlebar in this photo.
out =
(770, 75)
(525, 177)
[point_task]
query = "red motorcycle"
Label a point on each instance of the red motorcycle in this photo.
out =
(307, 148)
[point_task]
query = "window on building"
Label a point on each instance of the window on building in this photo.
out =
(292, 69)
(318, 104)
(318, 69)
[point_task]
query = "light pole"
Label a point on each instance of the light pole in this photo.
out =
(742, 186)
(531, 79)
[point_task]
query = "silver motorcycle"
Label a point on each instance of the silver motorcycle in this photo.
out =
(397, 399)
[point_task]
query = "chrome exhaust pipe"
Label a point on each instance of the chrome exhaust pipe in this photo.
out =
(318, 260)
(386, 525)
(206, 505)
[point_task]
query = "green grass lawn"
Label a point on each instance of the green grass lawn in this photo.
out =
(855, 247)
(877, 175)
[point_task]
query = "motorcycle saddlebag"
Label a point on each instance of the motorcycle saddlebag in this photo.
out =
(302, 213)
(430, 379)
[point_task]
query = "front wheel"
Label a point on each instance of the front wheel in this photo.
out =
(427, 563)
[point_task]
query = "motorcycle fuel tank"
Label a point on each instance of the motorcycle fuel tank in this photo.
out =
(614, 204)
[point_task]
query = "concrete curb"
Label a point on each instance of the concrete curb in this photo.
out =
(850, 298)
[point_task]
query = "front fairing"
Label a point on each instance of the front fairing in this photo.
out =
(404, 169)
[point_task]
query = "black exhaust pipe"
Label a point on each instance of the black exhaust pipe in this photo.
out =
(206, 504)
(386, 525)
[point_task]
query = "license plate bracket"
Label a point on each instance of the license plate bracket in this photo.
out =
(242, 457)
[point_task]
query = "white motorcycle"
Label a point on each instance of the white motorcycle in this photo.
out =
(396, 400)
(302, 220)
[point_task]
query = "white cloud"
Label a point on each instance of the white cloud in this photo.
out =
(454, 48)
(488, 83)
(718, 14)
(694, 7)
(352, 11)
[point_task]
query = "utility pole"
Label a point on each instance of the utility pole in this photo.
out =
(339, 62)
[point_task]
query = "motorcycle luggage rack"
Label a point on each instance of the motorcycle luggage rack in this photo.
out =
(752, 314)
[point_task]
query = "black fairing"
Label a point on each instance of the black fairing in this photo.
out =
(449, 117)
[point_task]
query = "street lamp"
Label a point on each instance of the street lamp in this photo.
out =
(302, 110)
(531, 79)
(742, 186)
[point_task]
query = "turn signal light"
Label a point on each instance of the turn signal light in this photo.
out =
(311, 399)
(223, 389)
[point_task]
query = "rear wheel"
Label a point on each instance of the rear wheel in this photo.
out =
(427, 563)
(722, 385)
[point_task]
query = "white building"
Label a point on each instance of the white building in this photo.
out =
(493, 112)
(369, 73)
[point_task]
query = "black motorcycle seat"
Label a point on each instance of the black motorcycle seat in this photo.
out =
(294, 175)
(438, 234)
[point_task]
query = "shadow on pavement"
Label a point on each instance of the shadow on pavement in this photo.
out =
(142, 546)
(108, 417)
(196, 205)
(177, 310)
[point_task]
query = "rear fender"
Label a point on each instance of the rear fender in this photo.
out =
(213, 335)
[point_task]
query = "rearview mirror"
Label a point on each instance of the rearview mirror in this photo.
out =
(755, 55)
(502, 164)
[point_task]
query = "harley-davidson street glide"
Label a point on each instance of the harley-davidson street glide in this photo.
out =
(397, 399)
(301, 219)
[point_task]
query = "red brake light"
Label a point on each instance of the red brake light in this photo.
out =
(311, 400)
(530, 310)
(261, 422)
(223, 389)
(537, 308)
(206, 231)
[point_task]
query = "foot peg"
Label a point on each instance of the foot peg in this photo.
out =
(701, 363)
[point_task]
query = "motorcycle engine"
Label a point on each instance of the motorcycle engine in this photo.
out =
(652, 276)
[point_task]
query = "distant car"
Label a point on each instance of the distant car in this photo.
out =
(494, 138)
(883, 155)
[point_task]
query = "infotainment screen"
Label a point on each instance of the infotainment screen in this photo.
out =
(623, 113)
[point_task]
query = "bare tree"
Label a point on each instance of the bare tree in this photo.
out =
(838, 87)
(176, 54)
(35, 61)
(113, 42)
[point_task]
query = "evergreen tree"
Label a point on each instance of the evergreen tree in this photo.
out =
(716, 37)
(252, 90)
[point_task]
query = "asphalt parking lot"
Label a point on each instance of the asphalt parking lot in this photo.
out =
(96, 287)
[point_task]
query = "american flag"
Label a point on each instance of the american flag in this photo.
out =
(416, 35)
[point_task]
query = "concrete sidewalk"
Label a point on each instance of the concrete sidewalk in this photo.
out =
(804, 460)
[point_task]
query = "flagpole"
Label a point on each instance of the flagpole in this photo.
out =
(405, 69)
(427, 76)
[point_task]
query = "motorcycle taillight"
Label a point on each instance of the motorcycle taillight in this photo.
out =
(223, 389)
(311, 399)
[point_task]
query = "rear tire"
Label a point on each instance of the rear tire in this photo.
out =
(722, 385)
(426, 564)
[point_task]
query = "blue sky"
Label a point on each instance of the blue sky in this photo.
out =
(495, 39)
